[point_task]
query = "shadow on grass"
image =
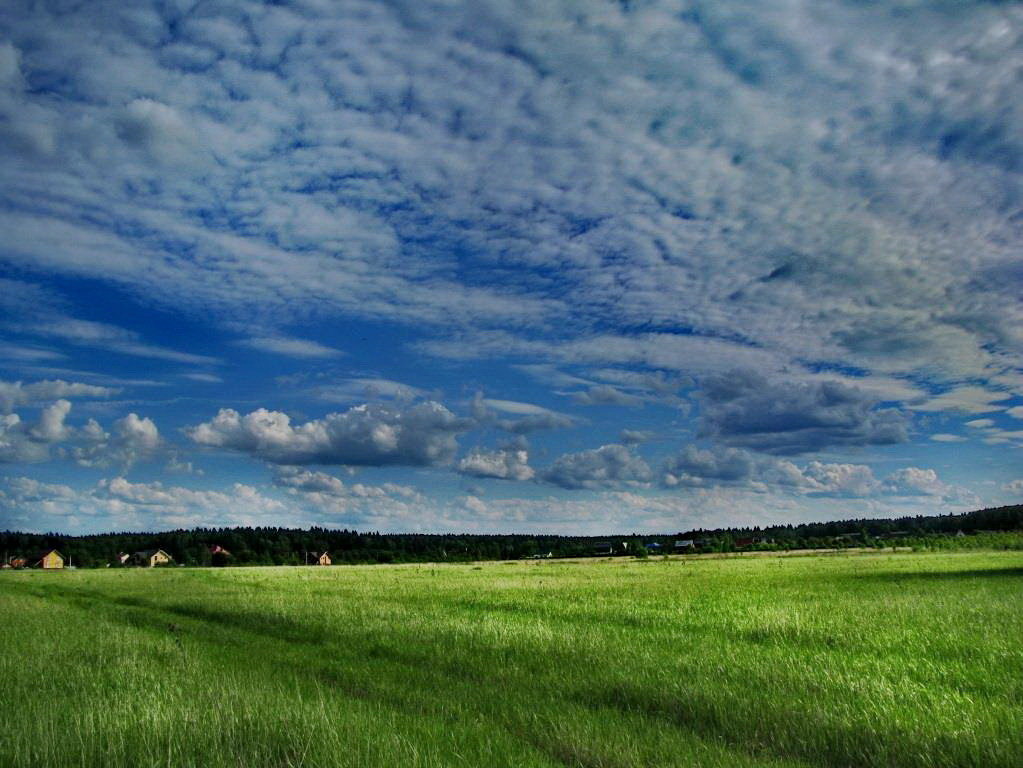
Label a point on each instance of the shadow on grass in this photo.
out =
(899, 577)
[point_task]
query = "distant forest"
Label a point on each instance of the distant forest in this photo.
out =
(284, 546)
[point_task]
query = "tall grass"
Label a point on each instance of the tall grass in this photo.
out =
(894, 660)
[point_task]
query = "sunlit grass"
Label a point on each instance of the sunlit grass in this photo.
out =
(898, 660)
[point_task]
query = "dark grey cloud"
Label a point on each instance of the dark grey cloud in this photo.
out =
(745, 409)
(692, 466)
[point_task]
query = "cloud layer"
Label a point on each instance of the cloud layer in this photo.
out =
(699, 253)
(421, 435)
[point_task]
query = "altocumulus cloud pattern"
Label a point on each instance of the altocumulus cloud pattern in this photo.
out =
(508, 265)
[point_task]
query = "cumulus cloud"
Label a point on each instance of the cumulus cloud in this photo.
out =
(421, 435)
(693, 466)
(605, 394)
(16, 443)
(606, 467)
(635, 436)
(849, 479)
(22, 441)
(718, 466)
(134, 439)
(745, 409)
(181, 506)
(51, 427)
(509, 463)
(609, 191)
(724, 466)
(27, 489)
(475, 505)
(156, 127)
(15, 393)
(318, 485)
(366, 387)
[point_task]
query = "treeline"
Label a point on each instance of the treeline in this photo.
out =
(285, 546)
(993, 520)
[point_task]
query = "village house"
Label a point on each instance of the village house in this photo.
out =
(149, 558)
(603, 548)
(685, 545)
(749, 541)
(49, 559)
(218, 555)
(323, 559)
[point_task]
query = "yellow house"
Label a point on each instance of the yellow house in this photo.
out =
(323, 559)
(152, 557)
(50, 559)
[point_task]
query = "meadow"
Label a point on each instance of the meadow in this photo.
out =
(894, 659)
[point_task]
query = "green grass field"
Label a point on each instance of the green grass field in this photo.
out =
(865, 660)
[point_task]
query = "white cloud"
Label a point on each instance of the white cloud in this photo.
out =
(10, 67)
(722, 466)
(51, 427)
(108, 337)
(942, 437)
(203, 378)
(606, 192)
(475, 504)
(133, 439)
(966, 399)
(605, 394)
(422, 434)
(15, 393)
(609, 466)
(366, 387)
(527, 416)
(156, 127)
(509, 463)
(812, 188)
(280, 345)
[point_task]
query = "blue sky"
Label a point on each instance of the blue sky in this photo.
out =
(576, 267)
